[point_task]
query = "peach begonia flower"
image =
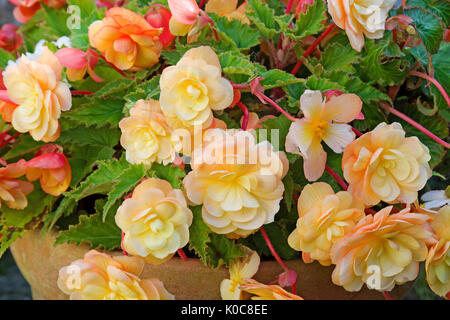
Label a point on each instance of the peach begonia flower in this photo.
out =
(384, 165)
(381, 251)
(155, 221)
(324, 218)
(126, 39)
(146, 136)
(13, 192)
(261, 291)
(229, 9)
(238, 182)
(325, 121)
(7, 107)
(52, 168)
(360, 17)
(240, 270)
(36, 86)
(438, 260)
(99, 276)
(194, 87)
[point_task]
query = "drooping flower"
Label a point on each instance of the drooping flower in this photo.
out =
(158, 17)
(36, 86)
(78, 62)
(146, 136)
(229, 9)
(438, 260)
(126, 39)
(261, 291)
(238, 182)
(10, 40)
(360, 17)
(384, 165)
(27, 8)
(325, 121)
(436, 199)
(99, 276)
(324, 218)
(155, 221)
(194, 87)
(52, 168)
(381, 251)
(13, 192)
(240, 270)
(185, 15)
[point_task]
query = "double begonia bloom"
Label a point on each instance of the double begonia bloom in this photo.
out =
(323, 121)
(260, 291)
(238, 181)
(240, 270)
(360, 17)
(13, 192)
(52, 169)
(194, 87)
(126, 39)
(324, 218)
(384, 165)
(36, 86)
(7, 107)
(99, 276)
(158, 17)
(155, 221)
(229, 9)
(381, 251)
(438, 260)
(146, 136)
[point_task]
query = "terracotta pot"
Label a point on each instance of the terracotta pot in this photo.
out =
(39, 261)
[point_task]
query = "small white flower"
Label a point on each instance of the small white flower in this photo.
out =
(436, 199)
(64, 41)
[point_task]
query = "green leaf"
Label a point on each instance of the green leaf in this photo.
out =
(115, 88)
(24, 145)
(430, 27)
(383, 62)
(288, 182)
(96, 111)
(241, 35)
(310, 22)
(125, 182)
(66, 207)
(91, 135)
(93, 230)
(339, 57)
(263, 17)
(101, 180)
(56, 20)
(213, 249)
(146, 90)
(7, 236)
(174, 175)
(277, 78)
(275, 131)
(5, 56)
(234, 63)
(442, 74)
(438, 7)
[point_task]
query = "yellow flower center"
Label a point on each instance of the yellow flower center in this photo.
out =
(320, 127)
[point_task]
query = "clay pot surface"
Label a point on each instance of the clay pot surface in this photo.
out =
(39, 261)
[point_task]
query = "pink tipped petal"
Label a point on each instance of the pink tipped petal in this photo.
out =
(47, 161)
(4, 96)
(72, 58)
(184, 11)
(360, 116)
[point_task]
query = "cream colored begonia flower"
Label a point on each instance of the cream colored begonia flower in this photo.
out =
(324, 218)
(384, 165)
(99, 276)
(240, 270)
(229, 9)
(360, 17)
(36, 86)
(438, 260)
(146, 135)
(322, 121)
(260, 291)
(238, 182)
(381, 251)
(194, 87)
(155, 221)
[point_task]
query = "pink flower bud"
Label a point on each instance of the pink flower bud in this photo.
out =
(158, 17)
(184, 11)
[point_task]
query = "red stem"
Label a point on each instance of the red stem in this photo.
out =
(416, 125)
(370, 211)
(202, 3)
(182, 255)
(387, 296)
(245, 110)
(82, 92)
(336, 177)
(433, 81)
(289, 6)
(312, 47)
(272, 249)
(273, 103)
(359, 134)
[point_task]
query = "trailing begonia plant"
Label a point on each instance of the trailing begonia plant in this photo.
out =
(232, 132)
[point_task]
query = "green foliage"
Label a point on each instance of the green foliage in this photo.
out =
(310, 22)
(96, 111)
(174, 175)
(339, 57)
(56, 20)
(5, 56)
(263, 18)
(277, 78)
(213, 249)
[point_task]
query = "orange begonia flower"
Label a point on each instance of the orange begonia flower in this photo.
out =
(260, 291)
(13, 192)
(126, 39)
(52, 168)
(229, 9)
